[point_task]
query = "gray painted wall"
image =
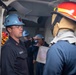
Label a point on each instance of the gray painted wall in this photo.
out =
(48, 35)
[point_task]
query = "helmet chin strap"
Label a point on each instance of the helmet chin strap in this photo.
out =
(57, 19)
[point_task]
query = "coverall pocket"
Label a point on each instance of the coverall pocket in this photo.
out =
(20, 62)
(22, 56)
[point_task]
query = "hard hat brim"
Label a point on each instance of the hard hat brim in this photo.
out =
(22, 24)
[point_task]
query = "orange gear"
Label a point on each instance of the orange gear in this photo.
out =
(4, 38)
(67, 9)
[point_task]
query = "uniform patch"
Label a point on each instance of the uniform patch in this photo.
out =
(21, 52)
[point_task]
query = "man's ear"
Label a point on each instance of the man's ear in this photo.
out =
(9, 29)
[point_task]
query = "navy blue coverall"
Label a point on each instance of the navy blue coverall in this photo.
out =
(39, 66)
(61, 59)
(14, 58)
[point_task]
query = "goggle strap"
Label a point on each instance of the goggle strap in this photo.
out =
(57, 19)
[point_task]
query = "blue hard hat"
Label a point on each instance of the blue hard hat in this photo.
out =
(40, 36)
(13, 19)
(25, 33)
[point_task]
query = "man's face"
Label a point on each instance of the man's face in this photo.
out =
(40, 41)
(15, 31)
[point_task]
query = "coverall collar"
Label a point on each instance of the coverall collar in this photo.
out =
(16, 43)
(68, 36)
